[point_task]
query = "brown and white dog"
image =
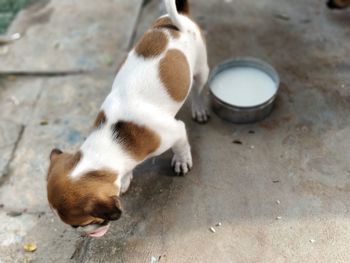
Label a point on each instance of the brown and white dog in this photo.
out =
(338, 4)
(136, 121)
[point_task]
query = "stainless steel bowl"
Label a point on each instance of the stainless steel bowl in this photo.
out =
(238, 114)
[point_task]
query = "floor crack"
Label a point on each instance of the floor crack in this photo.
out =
(79, 253)
(47, 74)
(7, 169)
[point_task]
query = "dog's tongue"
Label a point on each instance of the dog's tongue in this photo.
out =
(100, 232)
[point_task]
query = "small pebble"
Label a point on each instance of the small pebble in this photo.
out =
(212, 229)
(14, 100)
(279, 218)
(154, 259)
(282, 17)
(57, 45)
(11, 78)
(343, 86)
(278, 202)
(14, 214)
(29, 247)
(44, 123)
(218, 224)
(15, 36)
(312, 240)
(305, 21)
(305, 129)
(252, 147)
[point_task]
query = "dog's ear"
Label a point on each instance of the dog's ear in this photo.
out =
(109, 209)
(54, 153)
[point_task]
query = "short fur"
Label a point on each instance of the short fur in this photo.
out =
(136, 122)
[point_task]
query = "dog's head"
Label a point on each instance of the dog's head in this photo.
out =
(338, 4)
(87, 203)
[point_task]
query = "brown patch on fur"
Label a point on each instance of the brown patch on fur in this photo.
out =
(138, 140)
(152, 44)
(88, 199)
(167, 24)
(174, 72)
(100, 119)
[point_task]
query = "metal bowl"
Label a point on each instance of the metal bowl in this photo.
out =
(239, 114)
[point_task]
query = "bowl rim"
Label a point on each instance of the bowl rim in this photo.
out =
(249, 62)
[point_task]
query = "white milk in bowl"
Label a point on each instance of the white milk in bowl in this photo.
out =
(243, 86)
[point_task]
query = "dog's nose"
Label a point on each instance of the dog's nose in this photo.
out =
(332, 5)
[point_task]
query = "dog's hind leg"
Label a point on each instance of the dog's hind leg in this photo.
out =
(199, 110)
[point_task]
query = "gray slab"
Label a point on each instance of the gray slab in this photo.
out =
(52, 112)
(66, 35)
(9, 135)
(64, 113)
(54, 241)
(18, 97)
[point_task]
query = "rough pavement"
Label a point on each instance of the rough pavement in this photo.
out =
(51, 101)
(281, 196)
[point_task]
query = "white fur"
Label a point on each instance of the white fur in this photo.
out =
(139, 96)
(170, 6)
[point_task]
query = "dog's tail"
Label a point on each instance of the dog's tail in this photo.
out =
(174, 7)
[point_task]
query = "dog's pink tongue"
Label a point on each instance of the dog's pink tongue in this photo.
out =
(100, 232)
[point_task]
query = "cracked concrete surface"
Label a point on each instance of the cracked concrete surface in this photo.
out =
(280, 196)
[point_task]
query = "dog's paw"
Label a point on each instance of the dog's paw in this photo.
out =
(200, 115)
(126, 181)
(182, 165)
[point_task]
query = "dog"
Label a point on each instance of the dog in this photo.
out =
(136, 122)
(338, 4)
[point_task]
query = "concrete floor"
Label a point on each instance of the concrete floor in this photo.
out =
(281, 196)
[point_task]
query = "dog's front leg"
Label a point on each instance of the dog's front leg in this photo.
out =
(182, 160)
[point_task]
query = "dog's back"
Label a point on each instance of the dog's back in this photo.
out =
(158, 72)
